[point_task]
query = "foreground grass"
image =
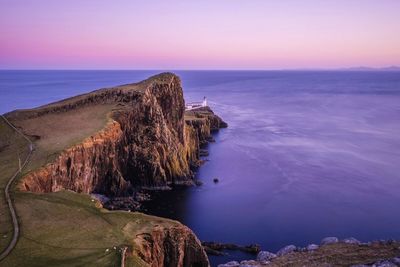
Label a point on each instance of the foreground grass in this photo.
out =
(68, 229)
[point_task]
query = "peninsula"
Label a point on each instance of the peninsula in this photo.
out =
(113, 141)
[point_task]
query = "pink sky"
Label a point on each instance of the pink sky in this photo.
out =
(207, 34)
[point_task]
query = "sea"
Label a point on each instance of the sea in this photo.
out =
(307, 154)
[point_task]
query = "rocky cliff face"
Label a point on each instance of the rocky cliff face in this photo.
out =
(172, 246)
(148, 143)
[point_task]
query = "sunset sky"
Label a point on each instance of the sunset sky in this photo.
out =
(207, 34)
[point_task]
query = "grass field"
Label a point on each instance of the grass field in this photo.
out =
(68, 229)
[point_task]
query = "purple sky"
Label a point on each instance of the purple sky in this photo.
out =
(207, 34)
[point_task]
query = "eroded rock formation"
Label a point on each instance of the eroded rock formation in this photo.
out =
(172, 246)
(149, 142)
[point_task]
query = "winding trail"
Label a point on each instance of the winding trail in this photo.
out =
(11, 207)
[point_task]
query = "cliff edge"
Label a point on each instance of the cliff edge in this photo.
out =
(147, 142)
(114, 141)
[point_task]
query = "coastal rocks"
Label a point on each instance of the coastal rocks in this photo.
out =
(286, 250)
(249, 263)
(215, 248)
(150, 143)
(329, 240)
(395, 262)
(264, 256)
(122, 203)
(312, 247)
(169, 246)
(230, 264)
(351, 240)
(347, 252)
(385, 263)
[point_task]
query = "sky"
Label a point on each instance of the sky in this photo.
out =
(206, 34)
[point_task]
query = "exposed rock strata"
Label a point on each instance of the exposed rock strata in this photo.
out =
(149, 142)
(174, 246)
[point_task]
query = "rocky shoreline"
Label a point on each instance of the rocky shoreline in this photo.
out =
(217, 248)
(205, 122)
(330, 252)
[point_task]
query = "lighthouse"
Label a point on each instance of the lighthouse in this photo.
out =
(204, 104)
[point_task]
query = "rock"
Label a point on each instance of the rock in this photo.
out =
(213, 252)
(286, 250)
(216, 246)
(203, 153)
(396, 260)
(248, 263)
(230, 264)
(359, 265)
(170, 245)
(220, 246)
(215, 180)
(384, 264)
(351, 240)
(198, 182)
(329, 240)
(312, 247)
(265, 256)
(301, 249)
(253, 248)
(150, 143)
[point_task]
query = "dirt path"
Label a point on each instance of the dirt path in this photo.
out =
(11, 207)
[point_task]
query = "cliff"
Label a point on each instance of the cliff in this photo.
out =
(173, 246)
(148, 142)
(115, 141)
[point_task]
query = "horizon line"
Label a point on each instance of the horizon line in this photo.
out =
(357, 68)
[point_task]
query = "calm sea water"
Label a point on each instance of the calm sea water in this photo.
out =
(306, 155)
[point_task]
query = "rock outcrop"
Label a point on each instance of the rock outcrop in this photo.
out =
(172, 246)
(149, 142)
(331, 252)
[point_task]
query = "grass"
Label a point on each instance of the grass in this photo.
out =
(60, 131)
(12, 146)
(63, 228)
(69, 229)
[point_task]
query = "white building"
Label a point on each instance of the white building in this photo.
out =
(195, 105)
(204, 104)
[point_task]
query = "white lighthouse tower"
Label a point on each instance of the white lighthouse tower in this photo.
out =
(204, 104)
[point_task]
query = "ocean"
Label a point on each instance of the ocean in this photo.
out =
(308, 154)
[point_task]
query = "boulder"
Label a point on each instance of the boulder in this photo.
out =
(312, 247)
(384, 264)
(351, 240)
(329, 240)
(396, 260)
(286, 250)
(230, 264)
(265, 256)
(249, 263)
